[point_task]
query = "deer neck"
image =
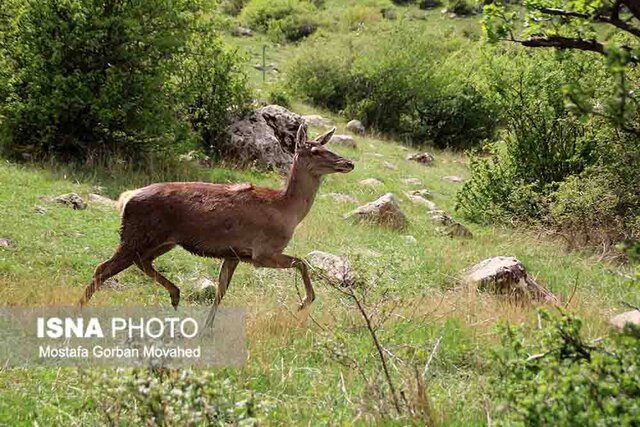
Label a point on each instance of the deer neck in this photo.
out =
(300, 191)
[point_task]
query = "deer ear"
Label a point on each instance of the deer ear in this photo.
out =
(301, 137)
(323, 139)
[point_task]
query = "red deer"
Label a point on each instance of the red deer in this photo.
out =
(235, 222)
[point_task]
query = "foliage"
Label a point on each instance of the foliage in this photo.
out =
(460, 7)
(541, 144)
(555, 376)
(89, 76)
(288, 20)
(233, 7)
(170, 397)
(580, 25)
(406, 84)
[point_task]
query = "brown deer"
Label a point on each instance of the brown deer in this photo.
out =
(237, 222)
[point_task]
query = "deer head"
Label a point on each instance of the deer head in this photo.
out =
(316, 158)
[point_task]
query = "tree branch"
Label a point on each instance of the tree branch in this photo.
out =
(571, 43)
(613, 19)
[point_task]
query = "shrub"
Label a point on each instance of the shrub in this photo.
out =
(460, 7)
(289, 20)
(542, 144)
(86, 76)
(232, 7)
(557, 377)
(405, 84)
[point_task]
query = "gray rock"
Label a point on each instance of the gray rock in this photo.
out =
(265, 138)
(385, 211)
(389, 165)
(101, 200)
(337, 269)
(371, 182)
(411, 181)
(266, 67)
(506, 276)
(410, 239)
(204, 292)
(453, 178)
(40, 210)
(343, 140)
(451, 227)
(317, 121)
(5, 243)
(339, 197)
(424, 193)
(243, 31)
(441, 218)
(419, 200)
(73, 200)
(423, 158)
(619, 321)
(356, 126)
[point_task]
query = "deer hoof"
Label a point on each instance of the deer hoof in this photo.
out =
(175, 301)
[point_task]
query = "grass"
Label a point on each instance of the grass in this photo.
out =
(293, 375)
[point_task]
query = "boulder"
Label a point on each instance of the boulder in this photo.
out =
(423, 158)
(340, 197)
(317, 121)
(101, 200)
(450, 227)
(73, 200)
(371, 182)
(453, 178)
(385, 211)
(356, 126)
(410, 240)
(503, 275)
(343, 140)
(5, 243)
(40, 210)
(204, 292)
(265, 138)
(619, 321)
(337, 269)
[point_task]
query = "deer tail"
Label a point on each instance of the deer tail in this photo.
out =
(123, 199)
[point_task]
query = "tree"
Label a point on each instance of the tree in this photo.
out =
(610, 28)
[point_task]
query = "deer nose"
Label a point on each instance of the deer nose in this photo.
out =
(347, 165)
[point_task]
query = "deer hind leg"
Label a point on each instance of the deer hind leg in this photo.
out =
(286, 261)
(224, 278)
(121, 259)
(145, 263)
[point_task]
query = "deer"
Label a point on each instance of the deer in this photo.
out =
(233, 222)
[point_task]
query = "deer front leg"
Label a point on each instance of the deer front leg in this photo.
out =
(286, 261)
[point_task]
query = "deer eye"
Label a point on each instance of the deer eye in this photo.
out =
(315, 150)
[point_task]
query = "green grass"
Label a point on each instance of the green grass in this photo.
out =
(292, 375)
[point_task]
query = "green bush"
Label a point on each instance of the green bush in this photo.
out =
(290, 20)
(541, 145)
(461, 7)
(555, 376)
(87, 76)
(407, 83)
(232, 7)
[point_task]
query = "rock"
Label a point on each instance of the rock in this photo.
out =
(337, 269)
(389, 165)
(72, 200)
(453, 178)
(371, 182)
(423, 158)
(356, 126)
(388, 13)
(411, 181)
(385, 211)
(410, 240)
(619, 321)
(424, 193)
(507, 276)
(265, 138)
(339, 197)
(419, 200)
(317, 121)
(458, 230)
(441, 218)
(378, 155)
(40, 210)
(243, 31)
(101, 200)
(343, 140)
(5, 243)
(451, 227)
(204, 292)
(266, 67)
